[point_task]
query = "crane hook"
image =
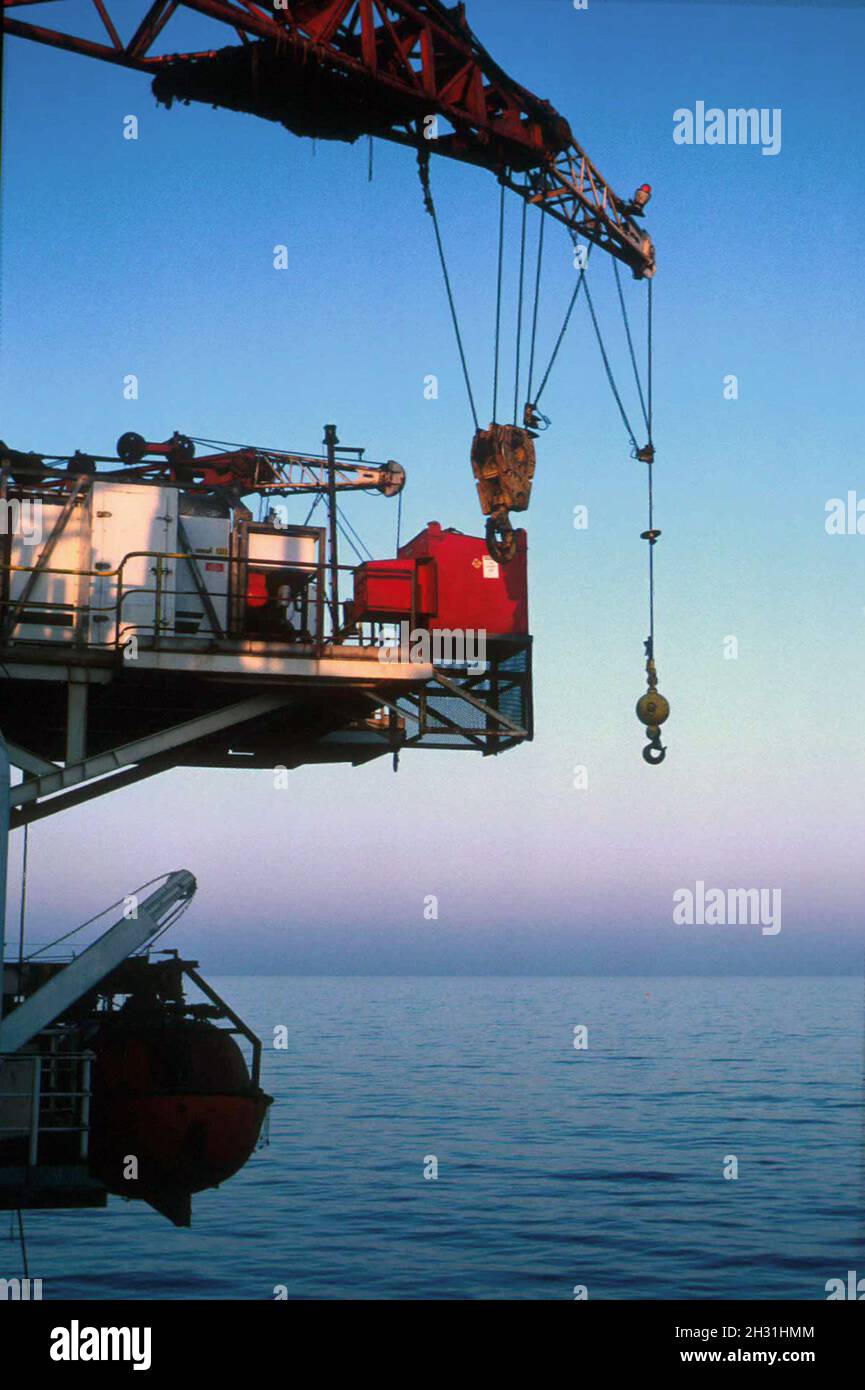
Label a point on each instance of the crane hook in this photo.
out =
(652, 711)
(654, 751)
(501, 538)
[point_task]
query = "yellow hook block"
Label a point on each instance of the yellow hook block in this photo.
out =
(652, 709)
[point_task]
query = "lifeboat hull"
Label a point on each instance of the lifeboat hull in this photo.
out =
(154, 1137)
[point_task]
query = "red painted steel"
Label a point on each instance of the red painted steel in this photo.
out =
(444, 579)
(472, 590)
(341, 69)
(179, 1097)
(390, 591)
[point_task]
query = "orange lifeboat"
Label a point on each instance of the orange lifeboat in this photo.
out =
(174, 1110)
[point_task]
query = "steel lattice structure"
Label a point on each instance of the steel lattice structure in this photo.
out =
(341, 69)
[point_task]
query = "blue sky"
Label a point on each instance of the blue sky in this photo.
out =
(155, 256)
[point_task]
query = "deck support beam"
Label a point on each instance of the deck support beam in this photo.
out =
(30, 793)
(76, 720)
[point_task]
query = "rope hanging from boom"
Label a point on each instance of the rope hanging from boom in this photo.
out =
(519, 340)
(537, 303)
(533, 419)
(499, 303)
(652, 708)
(503, 456)
(423, 170)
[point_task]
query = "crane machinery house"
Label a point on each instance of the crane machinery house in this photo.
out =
(158, 623)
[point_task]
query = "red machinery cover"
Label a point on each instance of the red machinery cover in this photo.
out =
(388, 591)
(473, 590)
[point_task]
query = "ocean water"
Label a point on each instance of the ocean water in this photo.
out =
(557, 1167)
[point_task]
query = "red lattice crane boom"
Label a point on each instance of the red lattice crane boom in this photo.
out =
(342, 69)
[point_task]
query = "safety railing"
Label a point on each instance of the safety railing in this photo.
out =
(307, 590)
(309, 581)
(57, 1100)
(236, 619)
(307, 585)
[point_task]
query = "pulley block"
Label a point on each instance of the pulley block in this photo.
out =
(132, 448)
(503, 463)
(653, 710)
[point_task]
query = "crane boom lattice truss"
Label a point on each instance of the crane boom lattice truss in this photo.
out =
(341, 69)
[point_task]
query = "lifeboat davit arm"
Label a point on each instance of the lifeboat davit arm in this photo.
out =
(69, 985)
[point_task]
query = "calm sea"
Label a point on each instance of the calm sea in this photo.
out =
(557, 1167)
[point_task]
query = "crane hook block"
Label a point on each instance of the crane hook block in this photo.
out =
(503, 463)
(653, 710)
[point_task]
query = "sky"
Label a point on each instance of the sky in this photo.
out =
(155, 256)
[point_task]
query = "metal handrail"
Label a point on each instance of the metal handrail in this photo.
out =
(314, 571)
(36, 1126)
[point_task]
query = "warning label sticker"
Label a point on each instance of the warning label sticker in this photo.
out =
(491, 568)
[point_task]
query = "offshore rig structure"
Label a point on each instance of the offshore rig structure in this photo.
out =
(159, 609)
